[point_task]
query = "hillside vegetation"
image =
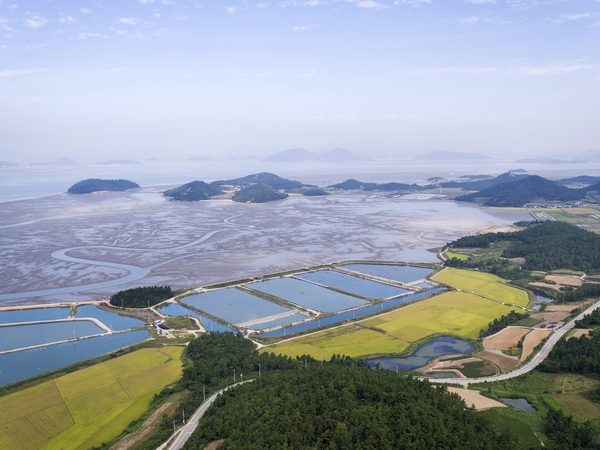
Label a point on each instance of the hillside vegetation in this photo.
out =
(257, 193)
(141, 297)
(95, 185)
(266, 178)
(193, 191)
(352, 184)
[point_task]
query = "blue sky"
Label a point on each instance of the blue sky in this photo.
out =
(172, 78)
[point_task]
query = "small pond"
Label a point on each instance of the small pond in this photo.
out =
(233, 305)
(519, 403)
(34, 315)
(445, 345)
(20, 336)
(114, 321)
(353, 285)
(24, 364)
(403, 274)
(354, 314)
(541, 298)
(307, 294)
(172, 309)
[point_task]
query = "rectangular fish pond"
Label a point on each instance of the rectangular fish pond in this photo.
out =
(403, 274)
(423, 355)
(34, 315)
(348, 315)
(24, 364)
(235, 306)
(307, 294)
(20, 336)
(172, 309)
(352, 285)
(114, 321)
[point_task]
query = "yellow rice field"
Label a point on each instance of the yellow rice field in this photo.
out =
(484, 284)
(90, 406)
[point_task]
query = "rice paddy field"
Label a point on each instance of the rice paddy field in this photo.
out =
(484, 284)
(90, 406)
(457, 313)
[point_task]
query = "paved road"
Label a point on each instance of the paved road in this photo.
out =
(184, 432)
(533, 362)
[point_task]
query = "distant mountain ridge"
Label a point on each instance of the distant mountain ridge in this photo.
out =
(352, 184)
(477, 185)
(114, 162)
(443, 155)
(299, 154)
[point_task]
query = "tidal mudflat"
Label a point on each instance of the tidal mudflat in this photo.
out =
(99, 241)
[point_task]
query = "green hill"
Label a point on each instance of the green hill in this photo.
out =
(193, 191)
(266, 178)
(314, 192)
(484, 183)
(257, 193)
(522, 191)
(95, 185)
(352, 184)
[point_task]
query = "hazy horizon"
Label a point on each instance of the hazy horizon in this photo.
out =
(168, 79)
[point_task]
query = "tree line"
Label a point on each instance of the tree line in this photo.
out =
(141, 297)
(502, 322)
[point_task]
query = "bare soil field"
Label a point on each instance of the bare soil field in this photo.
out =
(551, 315)
(141, 229)
(549, 325)
(567, 308)
(565, 280)
(532, 340)
(506, 339)
(475, 399)
(556, 287)
(579, 333)
(504, 362)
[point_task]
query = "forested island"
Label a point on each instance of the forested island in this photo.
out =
(258, 193)
(96, 185)
(141, 297)
(269, 179)
(193, 191)
(352, 184)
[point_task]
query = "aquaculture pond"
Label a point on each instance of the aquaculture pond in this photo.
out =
(172, 309)
(403, 274)
(307, 294)
(34, 315)
(24, 364)
(20, 336)
(519, 403)
(279, 321)
(234, 306)
(113, 321)
(441, 346)
(354, 314)
(353, 285)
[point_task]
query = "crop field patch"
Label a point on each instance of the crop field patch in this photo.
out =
(506, 339)
(458, 256)
(38, 417)
(344, 341)
(532, 340)
(578, 404)
(483, 284)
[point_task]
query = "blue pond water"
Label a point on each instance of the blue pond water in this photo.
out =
(424, 354)
(18, 366)
(234, 306)
(307, 294)
(541, 298)
(352, 285)
(272, 323)
(19, 336)
(358, 312)
(172, 309)
(34, 315)
(404, 274)
(114, 321)
(519, 403)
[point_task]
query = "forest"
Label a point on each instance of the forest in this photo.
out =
(193, 191)
(141, 297)
(257, 193)
(574, 355)
(352, 184)
(96, 185)
(545, 246)
(270, 179)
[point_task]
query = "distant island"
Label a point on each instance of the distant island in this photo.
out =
(117, 162)
(266, 178)
(258, 193)
(299, 154)
(352, 184)
(193, 191)
(96, 185)
(453, 156)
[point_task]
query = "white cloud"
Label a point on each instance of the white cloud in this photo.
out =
(262, 5)
(479, 2)
(129, 21)
(67, 20)
(146, 2)
(36, 21)
(89, 35)
(304, 27)
(232, 9)
(570, 17)
(411, 2)
(115, 70)
(15, 73)
(4, 25)
(86, 11)
(372, 4)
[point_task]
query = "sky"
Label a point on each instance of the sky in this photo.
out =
(172, 78)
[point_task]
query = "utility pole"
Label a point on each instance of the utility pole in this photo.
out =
(173, 426)
(204, 391)
(259, 370)
(242, 377)
(184, 416)
(234, 375)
